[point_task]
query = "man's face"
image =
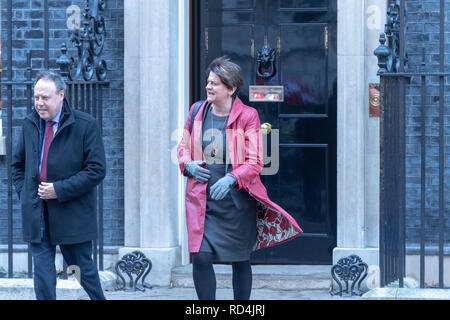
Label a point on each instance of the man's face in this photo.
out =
(47, 101)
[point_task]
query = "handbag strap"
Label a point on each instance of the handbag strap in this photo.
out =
(197, 106)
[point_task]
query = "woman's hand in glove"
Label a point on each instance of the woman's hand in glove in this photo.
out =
(221, 188)
(195, 169)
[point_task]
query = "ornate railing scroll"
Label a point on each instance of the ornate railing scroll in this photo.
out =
(89, 40)
(134, 263)
(350, 268)
(389, 52)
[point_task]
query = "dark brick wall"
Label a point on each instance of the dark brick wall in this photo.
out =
(423, 24)
(28, 33)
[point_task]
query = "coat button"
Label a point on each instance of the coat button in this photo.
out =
(35, 205)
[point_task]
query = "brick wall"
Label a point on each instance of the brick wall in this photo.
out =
(28, 33)
(423, 24)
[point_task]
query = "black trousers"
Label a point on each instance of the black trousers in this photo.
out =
(79, 254)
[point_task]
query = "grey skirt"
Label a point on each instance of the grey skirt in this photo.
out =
(230, 223)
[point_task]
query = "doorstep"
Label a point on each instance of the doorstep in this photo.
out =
(275, 277)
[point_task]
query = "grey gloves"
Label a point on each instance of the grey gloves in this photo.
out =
(221, 188)
(194, 169)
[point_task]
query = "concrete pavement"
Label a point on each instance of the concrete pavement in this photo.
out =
(176, 293)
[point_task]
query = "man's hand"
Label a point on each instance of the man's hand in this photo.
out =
(47, 191)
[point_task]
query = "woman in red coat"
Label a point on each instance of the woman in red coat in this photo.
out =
(228, 212)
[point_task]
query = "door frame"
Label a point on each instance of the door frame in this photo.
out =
(195, 92)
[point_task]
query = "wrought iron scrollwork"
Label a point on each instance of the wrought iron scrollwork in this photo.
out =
(266, 61)
(134, 263)
(350, 268)
(389, 55)
(89, 41)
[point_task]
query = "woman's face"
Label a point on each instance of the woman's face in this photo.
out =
(216, 91)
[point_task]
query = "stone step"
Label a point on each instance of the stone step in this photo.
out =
(275, 277)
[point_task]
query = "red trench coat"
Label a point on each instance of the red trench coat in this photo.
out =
(244, 139)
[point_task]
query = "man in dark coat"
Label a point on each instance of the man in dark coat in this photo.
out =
(57, 163)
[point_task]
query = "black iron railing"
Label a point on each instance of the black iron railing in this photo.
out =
(396, 83)
(83, 94)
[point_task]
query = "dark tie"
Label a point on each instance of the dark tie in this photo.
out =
(47, 142)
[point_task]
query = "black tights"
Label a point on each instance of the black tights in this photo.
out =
(205, 278)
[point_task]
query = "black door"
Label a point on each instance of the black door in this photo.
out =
(302, 34)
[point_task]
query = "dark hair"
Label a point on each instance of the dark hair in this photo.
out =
(53, 76)
(229, 73)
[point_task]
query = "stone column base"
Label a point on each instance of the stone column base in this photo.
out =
(163, 260)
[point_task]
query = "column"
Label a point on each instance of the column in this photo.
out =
(152, 209)
(359, 24)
